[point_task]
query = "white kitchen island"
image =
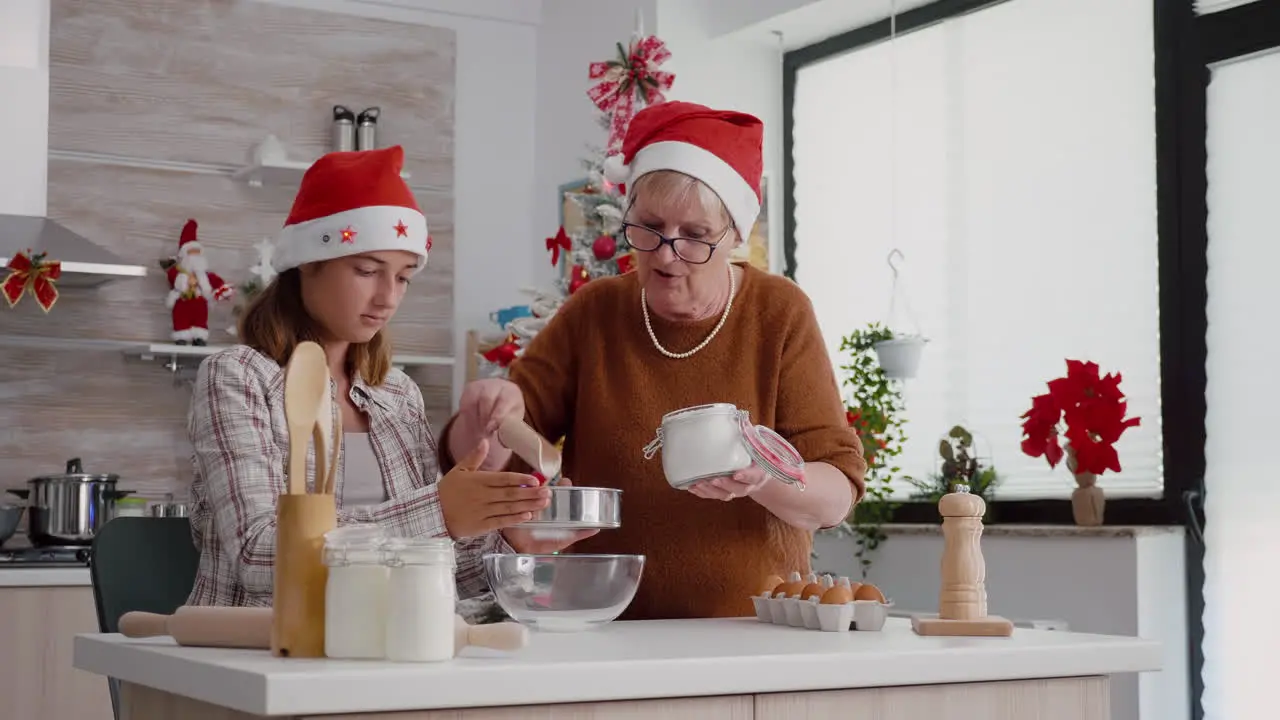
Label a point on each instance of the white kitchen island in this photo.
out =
(729, 669)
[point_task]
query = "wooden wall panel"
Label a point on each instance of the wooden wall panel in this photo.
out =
(152, 82)
(204, 80)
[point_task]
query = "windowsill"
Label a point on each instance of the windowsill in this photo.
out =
(1019, 530)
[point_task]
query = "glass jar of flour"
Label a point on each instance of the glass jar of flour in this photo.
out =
(355, 599)
(715, 440)
(420, 599)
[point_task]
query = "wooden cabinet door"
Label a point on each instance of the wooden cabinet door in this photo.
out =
(37, 680)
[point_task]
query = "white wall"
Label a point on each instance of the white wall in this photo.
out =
(573, 34)
(1110, 584)
(729, 72)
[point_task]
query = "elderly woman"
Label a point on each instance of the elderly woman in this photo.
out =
(346, 255)
(687, 328)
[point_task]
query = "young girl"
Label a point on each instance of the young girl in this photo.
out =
(352, 243)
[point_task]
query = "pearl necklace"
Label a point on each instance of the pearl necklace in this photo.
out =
(644, 308)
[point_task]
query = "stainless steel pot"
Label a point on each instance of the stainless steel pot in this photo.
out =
(69, 509)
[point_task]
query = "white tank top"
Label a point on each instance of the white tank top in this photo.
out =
(361, 476)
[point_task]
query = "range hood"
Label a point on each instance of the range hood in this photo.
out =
(84, 265)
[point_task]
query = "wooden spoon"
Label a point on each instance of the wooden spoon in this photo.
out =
(306, 382)
(532, 448)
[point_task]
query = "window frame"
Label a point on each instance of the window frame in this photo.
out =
(1180, 267)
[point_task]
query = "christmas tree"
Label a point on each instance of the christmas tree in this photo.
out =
(592, 246)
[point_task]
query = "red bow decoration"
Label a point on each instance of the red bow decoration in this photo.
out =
(634, 74)
(30, 272)
(503, 355)
(558, 243)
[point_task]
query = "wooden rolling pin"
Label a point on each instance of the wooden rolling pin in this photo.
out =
(250, 627)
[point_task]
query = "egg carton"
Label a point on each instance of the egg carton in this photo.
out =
(865, 615)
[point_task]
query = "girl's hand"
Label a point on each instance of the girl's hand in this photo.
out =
(475, 502)
(544, 542)
(740, 484)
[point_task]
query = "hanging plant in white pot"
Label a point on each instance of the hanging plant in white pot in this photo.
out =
(899, 356)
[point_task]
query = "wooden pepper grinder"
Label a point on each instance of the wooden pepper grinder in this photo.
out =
(962, 603)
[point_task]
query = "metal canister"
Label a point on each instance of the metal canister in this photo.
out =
(344, 129)
(367, 129)
(168, 508)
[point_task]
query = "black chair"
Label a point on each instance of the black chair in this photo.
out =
(146, 564)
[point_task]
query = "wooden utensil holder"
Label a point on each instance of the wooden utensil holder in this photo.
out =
(297, 620)
(962, 603)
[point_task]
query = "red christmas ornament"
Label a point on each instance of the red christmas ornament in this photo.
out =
(604, 247)
(626, 263)
(580, 278)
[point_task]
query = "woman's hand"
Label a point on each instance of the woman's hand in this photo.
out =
(475, 502)
(740, 484)
(486, 403)
(482, 408)
(543, 542)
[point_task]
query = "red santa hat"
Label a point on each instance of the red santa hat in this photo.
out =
(187, 241)
(722, 148)
(351, 203)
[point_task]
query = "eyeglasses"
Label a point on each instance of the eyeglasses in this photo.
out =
(646, 239)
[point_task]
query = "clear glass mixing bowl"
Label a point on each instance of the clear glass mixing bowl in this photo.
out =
(564, 593)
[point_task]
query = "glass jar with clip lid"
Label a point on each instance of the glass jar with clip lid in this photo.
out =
(718, 439)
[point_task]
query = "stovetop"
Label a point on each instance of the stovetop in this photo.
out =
(44, 556)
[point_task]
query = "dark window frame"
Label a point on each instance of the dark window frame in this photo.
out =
(1180, 474)
(1185, 46)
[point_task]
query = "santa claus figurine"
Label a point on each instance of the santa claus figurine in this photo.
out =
(193, 286)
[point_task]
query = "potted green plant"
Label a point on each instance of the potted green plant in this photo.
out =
(959, 464)
(874, 408)
(899, 355)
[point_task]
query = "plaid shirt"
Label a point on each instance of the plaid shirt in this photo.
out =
(241, 440)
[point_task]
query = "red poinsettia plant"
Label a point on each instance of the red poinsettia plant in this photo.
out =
(1086, 408)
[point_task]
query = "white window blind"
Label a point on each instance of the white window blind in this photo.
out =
(1022, 150)
(1241, 493)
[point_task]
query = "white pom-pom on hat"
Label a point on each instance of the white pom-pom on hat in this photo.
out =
(615, 170)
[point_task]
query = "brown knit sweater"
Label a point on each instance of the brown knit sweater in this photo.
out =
(593, 376)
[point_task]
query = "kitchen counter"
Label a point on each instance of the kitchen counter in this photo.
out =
(708, 669)
(70, 576)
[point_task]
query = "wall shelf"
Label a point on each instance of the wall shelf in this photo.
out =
(271, 167)
(286, 172)
(179, 356)
(175, 357)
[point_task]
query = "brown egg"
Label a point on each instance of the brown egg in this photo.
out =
(770, 584)
(869, 592)
(812, 590)
(837, 595)
(790, 589)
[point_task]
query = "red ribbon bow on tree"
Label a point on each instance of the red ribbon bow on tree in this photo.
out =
(634, 73)
(30, 272)
(558, 243)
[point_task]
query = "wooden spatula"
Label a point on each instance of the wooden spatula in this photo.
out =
(330, 482)
(322, 433)
(306, 382)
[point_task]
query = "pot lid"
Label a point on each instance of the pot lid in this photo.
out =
(75, 473)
